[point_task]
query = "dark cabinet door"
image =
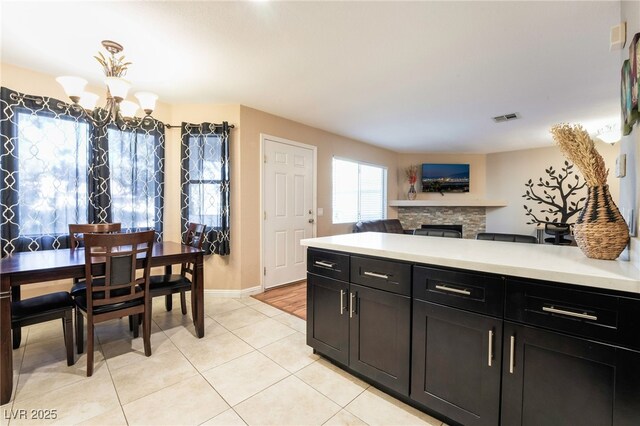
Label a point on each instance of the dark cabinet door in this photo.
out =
(456, 363)
(380, 335)
(327, 317)
(553, 379)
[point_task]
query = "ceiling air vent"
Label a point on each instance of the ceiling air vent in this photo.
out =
(506, 117)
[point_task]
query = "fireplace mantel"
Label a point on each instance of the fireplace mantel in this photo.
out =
(448, 203)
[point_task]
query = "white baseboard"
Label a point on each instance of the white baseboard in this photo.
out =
(234, 293)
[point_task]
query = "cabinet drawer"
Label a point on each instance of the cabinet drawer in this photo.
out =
(608, 318)
(328, 264)
(384, 275)
(469, 291)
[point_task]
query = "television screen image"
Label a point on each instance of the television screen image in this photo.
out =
(445, 178)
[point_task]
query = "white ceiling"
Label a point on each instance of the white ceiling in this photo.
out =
(410, 76)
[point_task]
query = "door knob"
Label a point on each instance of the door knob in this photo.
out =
(312, 221)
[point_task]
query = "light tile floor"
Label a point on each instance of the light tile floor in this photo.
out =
(252, 367)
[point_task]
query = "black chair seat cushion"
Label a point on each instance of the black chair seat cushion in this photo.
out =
(41, 305)
(165, 282)
(79, 288)
(81, 301)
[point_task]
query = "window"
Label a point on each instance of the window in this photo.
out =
(135, 181)
(52, 166)
(204, 180)
(359, 191)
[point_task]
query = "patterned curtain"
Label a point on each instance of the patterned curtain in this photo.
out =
(204, 178)
(99, 181)
(44, 143)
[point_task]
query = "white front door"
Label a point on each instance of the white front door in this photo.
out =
(288, 210)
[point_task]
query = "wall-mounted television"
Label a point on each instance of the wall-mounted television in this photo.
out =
(445, 178)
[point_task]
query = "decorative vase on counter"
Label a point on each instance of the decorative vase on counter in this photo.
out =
(600, 231)
(411, 195)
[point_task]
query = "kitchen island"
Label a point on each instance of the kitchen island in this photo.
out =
(480, 332)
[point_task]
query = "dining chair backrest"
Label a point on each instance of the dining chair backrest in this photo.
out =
(436, 232)
(194, 238)
(118, 285)
(77, 231)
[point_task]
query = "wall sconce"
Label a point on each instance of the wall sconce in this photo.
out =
(609, 134)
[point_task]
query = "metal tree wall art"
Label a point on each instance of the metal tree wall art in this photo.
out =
(559, 195)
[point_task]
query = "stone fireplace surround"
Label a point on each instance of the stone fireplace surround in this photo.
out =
(472, 219)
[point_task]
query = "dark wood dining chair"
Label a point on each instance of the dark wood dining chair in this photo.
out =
(76, 240)
(169, 284)
(47, 307)
(117, 292)
(77, 231)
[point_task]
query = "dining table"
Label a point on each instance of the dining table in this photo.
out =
(23, 268)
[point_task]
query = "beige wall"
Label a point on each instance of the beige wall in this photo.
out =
(477, 173)
(507, 173)
(253, 124)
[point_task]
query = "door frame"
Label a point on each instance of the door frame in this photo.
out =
(314, 195)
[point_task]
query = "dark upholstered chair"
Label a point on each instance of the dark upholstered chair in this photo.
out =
(392, 226)
(434, 232)
(47, 307)
(119, 293)
(168, 284)
(558, 231)
(512, 238)
(76, 240)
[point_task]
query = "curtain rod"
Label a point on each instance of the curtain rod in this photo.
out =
(175, 126)
(39, 100)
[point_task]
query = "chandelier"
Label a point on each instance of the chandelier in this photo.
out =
(118, 110)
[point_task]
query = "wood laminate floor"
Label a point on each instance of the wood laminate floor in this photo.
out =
(291, 298)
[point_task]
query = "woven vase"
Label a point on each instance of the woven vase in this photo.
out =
(600, 231)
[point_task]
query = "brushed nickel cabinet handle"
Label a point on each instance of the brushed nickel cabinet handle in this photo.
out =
(342, 293)
(490, 356)
(569, 313)
(351, 299)
(512, 354)
(453, 290)
(375, 275)
(325, 264)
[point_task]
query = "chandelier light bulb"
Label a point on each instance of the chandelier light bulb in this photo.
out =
(118, 87)
(73, 86)
(128, 109)
(147, 101)
(88, 100)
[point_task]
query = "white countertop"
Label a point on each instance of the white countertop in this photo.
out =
(564, 264)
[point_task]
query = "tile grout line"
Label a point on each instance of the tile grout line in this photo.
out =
(115, 389)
